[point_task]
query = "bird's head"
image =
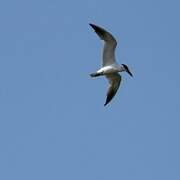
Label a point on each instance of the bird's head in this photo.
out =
(127, 69)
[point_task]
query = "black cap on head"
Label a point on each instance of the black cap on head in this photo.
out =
(127, 69)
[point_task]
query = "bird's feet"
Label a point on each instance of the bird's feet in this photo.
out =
(95, 74)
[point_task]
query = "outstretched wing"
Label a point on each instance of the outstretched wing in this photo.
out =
(109, 45)
(114, 82)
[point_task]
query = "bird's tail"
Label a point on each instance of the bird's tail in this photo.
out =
(95, 74)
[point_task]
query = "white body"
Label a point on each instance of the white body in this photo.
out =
(113, 68)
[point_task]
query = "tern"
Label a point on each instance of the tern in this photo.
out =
(110, 68)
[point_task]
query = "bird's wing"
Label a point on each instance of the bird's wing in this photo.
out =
(109, 45)
(114, 82)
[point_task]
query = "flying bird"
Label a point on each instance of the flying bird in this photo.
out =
(110, 69)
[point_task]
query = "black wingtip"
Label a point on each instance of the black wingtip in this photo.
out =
(107, 101)
(93, 26)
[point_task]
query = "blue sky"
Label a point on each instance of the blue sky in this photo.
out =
(53, 124)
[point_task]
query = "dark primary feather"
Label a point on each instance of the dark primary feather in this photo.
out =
(103, 34)
(114, 81)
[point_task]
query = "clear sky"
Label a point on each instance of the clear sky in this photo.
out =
(53, 124)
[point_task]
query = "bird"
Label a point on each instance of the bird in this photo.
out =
(110, 68)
